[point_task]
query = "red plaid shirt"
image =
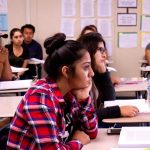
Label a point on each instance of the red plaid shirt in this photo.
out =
(39, 122)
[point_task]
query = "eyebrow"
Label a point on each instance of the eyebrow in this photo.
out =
(87, 62)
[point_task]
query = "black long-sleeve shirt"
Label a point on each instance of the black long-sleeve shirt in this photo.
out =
(106, 92)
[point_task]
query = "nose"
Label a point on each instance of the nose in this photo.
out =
(104, 55)
(91, 72)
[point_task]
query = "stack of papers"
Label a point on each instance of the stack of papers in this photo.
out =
(139, 103)
(134, 137)
(111, 69)
(17, 69)
(36, 61)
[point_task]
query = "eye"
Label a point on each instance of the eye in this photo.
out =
(87, 66)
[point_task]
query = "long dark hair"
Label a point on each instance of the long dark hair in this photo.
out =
(61, 52)
(90, 42)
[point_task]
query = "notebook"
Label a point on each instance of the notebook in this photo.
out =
(134, 137)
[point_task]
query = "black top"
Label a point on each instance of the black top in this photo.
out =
(106, 92)
(14, 60)
(105, 87)
(18, 61)
(147, 47)
(35, 51)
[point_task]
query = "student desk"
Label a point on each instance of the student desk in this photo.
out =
(8, 105)
(140, 118)
(131, 87)
(136, 87)
(103, 141)
(15, 86)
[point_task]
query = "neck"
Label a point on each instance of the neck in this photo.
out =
(27, 42)
(18, 47)
(63, 86)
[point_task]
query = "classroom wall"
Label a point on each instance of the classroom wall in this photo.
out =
(45, 15)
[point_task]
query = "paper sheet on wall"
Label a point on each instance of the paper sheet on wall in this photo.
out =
(104, 8)
(84, 22)
(145, 39)
(68, 27)
(109, 46)
(68, 8)
(127, 39)
(105, 27)
(87, 8)
(146, 7)
(3, 6)
(145, 24)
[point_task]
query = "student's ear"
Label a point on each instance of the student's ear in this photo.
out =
(65, 71)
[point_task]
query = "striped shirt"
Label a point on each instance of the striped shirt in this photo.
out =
(40, 123)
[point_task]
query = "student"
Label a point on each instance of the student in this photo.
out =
(146, 74)
(57, 112)
(94, 43)
(5, 74)
(147, 54)
(92, 28)
(5, 70)
(88, 29)
(18, 54)
(35, 49)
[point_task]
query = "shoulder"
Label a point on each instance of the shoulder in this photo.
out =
(9, 46)
(36, 42)
(40, 94)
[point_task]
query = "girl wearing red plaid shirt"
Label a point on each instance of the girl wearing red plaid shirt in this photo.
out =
(57, 112)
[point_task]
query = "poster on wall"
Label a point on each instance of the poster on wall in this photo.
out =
(145, 23)
(3, 15)
(127, 39)
(124, 19)
(3, 22)
(146, 7)
(127, 3)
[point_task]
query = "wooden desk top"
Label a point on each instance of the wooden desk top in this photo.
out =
(15, 86)
(140, 118)
(131, 87)
(102, 142)
(8, 105)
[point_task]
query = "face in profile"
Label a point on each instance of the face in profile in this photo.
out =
(100, 56)
(83, 73)
(28, 35)
(17, 38)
